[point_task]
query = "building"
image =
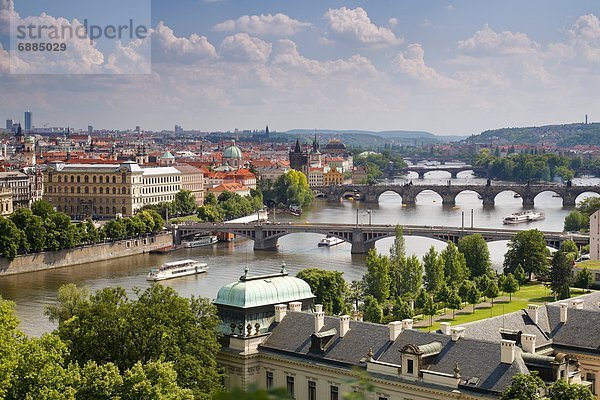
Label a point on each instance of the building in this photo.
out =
(315, 176)
(595, 236)
(313, 356)
(243, 176)
(230, 187)
(166, 159)
(192, 179)
(360, 175)
(232, 157)
(6, 202)
(9, 124)
(333, 177)
(314, 155)
(298, 158)
(21, 186)
(335, 147)
(106, 190)
(28, 120)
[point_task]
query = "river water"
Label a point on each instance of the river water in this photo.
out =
(32, 292)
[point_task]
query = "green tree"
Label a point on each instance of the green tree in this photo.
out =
(454, 301)
(455, 265)
(156, 380)
(524, 387)
(584, 279)
(411, 276)
(561, 275)
(372, 311)
(434, 270)
(442, 295)
(377, 278)
(576, 221)
(491, 291)
(292, 188)
(134, 226)
(329, 288)
(589, 205)
(563, 390)
(519, 275)
(42, 208)
(90, 233)
(473, 296)
(32, 226)
(10, 238)
(397, 261)
(528, 249)
(115, 229)
(10, 337)
(356, 292)
(430, 308)
(210, 199)
(510, 285)
(62, 233)
(209, 213)
(254, 394)
(70, 299)
(99, 382)
(159, 325)
(421, 298)
(185, 202)
(477, 254)
(402, 310)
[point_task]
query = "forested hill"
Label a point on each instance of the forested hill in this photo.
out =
(560, 135)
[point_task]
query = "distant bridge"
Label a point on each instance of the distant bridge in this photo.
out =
(453, 170)
(448, 193)
(362, 237)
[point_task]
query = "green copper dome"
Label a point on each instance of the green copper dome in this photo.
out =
(263, 290)
(233, 152)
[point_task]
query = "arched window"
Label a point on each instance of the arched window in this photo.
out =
(94, 179)
(86, 190)
(114, 190)
(94, 190)
(114, 210)
(114, 180)
(78, 179)
(59, 179)
(123, 190)
(78, 189)
(86, 179)
(72, 179)
(101, 210)
(100, 178)
(123, 210)
(72, 190)
(100, 189)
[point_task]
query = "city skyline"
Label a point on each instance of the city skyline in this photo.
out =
(450, 68)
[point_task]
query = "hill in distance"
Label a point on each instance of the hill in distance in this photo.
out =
(408, 137)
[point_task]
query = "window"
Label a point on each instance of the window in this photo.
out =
(597, 277)
(334, 393)
(290, 386)
(312, 390)
(410, 369)
(269, 373)
(382, 398)
(590, 377)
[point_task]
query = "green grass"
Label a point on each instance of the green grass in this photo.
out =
(186, 218)
(528, 294)
(590, 264)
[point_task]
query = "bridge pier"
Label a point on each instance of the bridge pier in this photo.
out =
(448, 199)
(422, 174)
(369, 198)
(359, 245)
(527, 200)
(454, 174)
(489, 200)
(409, 200)
(263, 243)
(569, 200)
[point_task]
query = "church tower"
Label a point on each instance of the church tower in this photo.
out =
(297, 157)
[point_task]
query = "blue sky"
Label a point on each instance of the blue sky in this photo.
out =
(449, 67)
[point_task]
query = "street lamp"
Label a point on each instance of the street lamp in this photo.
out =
(370, 213)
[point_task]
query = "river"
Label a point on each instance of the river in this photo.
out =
(32, 292)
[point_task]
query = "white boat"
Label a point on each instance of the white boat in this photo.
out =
(526, 216)
(176, 269)
(330, 241)
(200, 241)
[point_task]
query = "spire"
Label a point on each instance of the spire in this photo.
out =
(267, 130)
(297, 147)
(315, 144)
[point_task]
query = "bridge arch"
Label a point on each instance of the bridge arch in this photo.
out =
(392, 194)
(469, 196)
(555, 193)
(585, 194)
(516, 194)
(471, 172)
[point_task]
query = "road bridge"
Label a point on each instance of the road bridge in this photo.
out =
(362, 237)
(448, 193)
(453, 170)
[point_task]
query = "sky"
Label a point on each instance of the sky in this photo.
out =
(447, 67)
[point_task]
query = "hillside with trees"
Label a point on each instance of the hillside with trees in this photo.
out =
(559, 135)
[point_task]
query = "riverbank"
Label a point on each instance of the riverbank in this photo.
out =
(84, 254)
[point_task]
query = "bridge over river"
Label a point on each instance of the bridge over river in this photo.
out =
(448, 193)
(362, 237)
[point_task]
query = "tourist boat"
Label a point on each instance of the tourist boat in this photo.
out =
(526, 216)
(204, 240)
(295, 210)
(516, 195)
(329, 241)
(176, 269)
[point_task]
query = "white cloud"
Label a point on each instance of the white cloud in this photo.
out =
(355, 24)
(180, 49)
(488, 42)
(393, 22)
(243, 47)
(585, 37)
(412, 63)
(260, 25)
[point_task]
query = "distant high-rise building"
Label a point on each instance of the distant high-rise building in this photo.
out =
(90, 129)
(586, 119)
(28, 120)
(138, 129)
(9, 124)
(178, 129)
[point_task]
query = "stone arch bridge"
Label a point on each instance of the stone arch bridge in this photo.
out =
(453, 170)
(362, 237)
(448, 193)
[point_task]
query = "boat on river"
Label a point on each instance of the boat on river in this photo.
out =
(200, 240)
(329, 241)
(526, 216)
(176, 269)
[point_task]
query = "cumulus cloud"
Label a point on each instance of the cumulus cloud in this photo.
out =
(355, 24)
(169, 47)
(585, 37)
(489, 42)
(261, 25)
(412, 63)
(243, 47)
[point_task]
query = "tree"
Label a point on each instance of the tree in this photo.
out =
(254, 394)
(209, 213)
(430, 308)
(528, 249)
(569, 246)
(33, 236)
(524, 387)
(442, 295)
(561, 275)
(477, 254)
(563, 390)
(9, 339)
(421, 298)
(155, 380)
(473, 296)
(159, 325)
(397, 261)
(510, 285)
(329, 288)
(42, 208)
(10, 238)
(102, 382)
(491, 291)
(434, 270)
(454, 302)
(402, 310)
(90, 233)
(292, 188)
(372, 311)
(455, 265)
(584, 279)
(185, 202)
(411, 276)
(115, 229)
(134, 226)
(62, 233)
(576, 221)
(519, 275)
(356, 292)
(377, 278)
(70, 299)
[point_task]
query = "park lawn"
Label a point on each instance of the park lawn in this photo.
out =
(186, 218)
(590, 264)
(528, 294)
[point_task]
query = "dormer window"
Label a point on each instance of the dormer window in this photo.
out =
(410, 367)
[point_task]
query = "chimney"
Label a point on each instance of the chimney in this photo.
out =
(295, 306)
(344, 325)
(507, 351)
(280, 311)
(395, 328)
(319, 317)
(577, 304)
(407, 324)
(457, 332)
(533, 312)
(528, 343)
(564, 307)
(445, 328)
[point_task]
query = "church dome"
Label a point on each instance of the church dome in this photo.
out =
(264, 290)
(233, 152)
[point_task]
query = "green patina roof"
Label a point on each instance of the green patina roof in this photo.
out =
(263, 290)
(233, 152)
(167, 155)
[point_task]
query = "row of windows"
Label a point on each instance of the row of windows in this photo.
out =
(70, 200)
(158, 189)
(161, 179)
(334, 390)
(86, 190)
(99, 210)
(86, 179)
